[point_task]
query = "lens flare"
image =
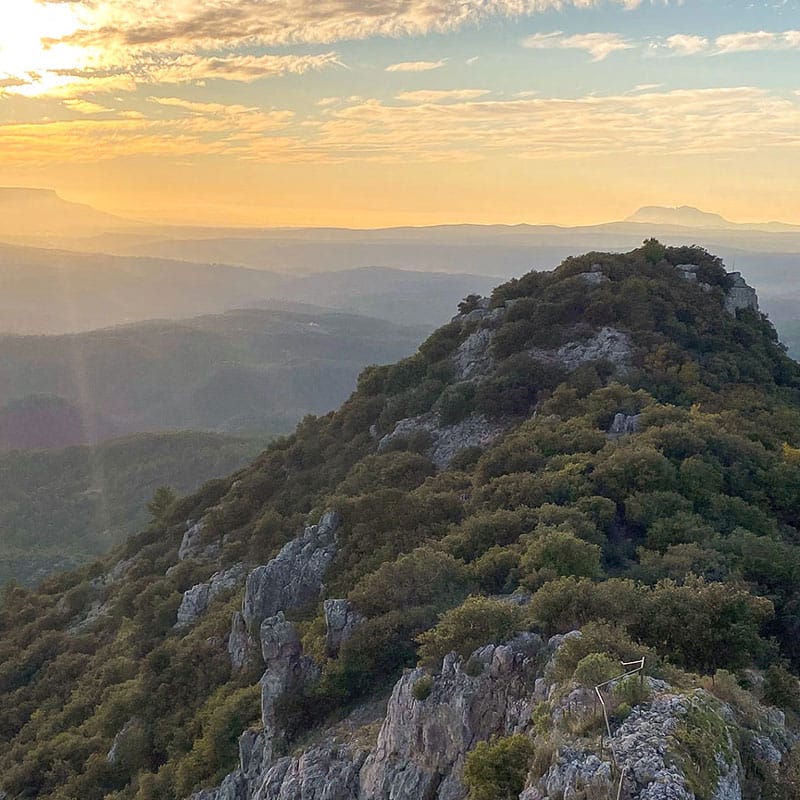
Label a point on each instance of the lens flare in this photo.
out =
(32, 59)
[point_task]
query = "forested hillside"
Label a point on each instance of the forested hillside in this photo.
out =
(247, 371)
(609, 451)
(62, 508)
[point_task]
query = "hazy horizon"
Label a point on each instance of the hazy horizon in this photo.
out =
(567, 112)
(628, 217)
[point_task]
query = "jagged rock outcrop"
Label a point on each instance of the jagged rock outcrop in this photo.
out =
(473, 360)
(341, 620)
(500, 690)
(423, 743)
(320, 773)
(192, 545)
(447, 440)
(740, 295)
(197, 599)
(607, 344)
(130, 728)
(285, 669)
(624, 425)
(241, 647)
(294, 576)
(97, 609)
(482, 312)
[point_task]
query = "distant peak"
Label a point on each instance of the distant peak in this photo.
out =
(17, 192)
(685, 216)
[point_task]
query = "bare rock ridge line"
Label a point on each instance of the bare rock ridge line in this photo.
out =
(502, 690)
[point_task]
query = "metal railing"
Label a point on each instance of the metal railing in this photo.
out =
(638, 667)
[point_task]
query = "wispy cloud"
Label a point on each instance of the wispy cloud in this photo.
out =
(748, 42)
(218, 24)
(441, 96)
(687, 44)
(415, 66)
(426, 128)
(597, 45)
(729, 43)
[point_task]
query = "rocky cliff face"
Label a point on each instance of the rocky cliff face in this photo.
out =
(507, 689)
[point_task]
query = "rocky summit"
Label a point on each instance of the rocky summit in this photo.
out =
(554, 555)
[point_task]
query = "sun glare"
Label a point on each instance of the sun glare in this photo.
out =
(25, 56)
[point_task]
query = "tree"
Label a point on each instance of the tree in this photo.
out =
(469, 303)
(559, 552)
(163, 499)
(653, 251)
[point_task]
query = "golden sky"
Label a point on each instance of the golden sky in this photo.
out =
(420, 111)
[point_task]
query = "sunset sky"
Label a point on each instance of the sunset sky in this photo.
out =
(378, 112)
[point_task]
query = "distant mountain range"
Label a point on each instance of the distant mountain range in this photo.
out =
(101, 270)
(690, 217)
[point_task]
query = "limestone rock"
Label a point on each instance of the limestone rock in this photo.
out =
(321, 773)
(341, 620)
(192, 546)
(240, 646)
(688, 272)
(574, 775)
(624, 425)
(473, 431)
(294, 576)
(96, 610)
(197, 599)
(473, 358)
(120, 739)
(423, 743)
(740, 295)
(481, 313)
(608, 344)
(286, 669)
(594, 278)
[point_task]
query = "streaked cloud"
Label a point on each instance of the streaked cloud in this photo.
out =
(731, 43)
(427, 128)
(708, 121)
(415, 66)
(441, 96)
(597, 45)
(218, 24)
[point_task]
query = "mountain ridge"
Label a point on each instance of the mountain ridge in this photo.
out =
(637, 501)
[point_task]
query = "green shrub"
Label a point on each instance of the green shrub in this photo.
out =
(596, 668)
(476, 622)
(781, 688)
(422, 688)
(497, 770)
